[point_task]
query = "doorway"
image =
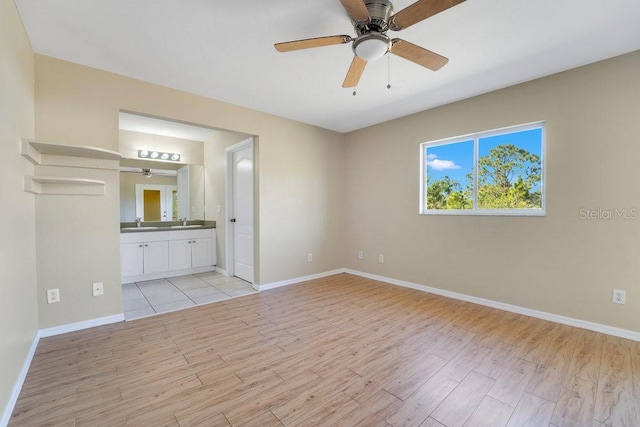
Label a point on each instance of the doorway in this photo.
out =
(156, 202)
(240, 199)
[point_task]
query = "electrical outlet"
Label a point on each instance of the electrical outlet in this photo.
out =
(53, 295)
(98, 289)
(380, 258)
(310, 257)
(360, 255)
(619, 296)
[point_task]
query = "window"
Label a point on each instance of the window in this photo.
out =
(497, 172)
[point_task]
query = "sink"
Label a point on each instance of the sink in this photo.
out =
(186, 226)
(139, 228)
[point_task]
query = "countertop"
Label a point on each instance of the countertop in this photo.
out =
(149, 227)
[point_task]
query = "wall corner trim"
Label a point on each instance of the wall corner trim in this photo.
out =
(578, 323)
(297, 280)
(17, 387)
(72, 327)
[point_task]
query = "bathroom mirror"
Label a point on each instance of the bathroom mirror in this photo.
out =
(160, 191)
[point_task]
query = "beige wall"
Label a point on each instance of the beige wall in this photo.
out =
(77, 244)
(559, 263)
(301, 176)
(18, 305)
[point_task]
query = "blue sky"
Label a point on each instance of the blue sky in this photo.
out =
(456, 160)
(452, 160)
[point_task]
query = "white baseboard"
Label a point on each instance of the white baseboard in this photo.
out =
(49, 332)
(63, 329)
(72, 327)
(597, 327)
(17, 387)
(300, 279)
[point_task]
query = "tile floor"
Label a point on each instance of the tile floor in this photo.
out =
(142, 299)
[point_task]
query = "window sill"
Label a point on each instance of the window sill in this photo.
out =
(503, 212)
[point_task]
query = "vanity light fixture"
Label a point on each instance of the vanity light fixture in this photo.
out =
(148, 154)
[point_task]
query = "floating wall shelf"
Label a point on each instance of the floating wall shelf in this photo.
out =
(66, 156)
(48, 154)
(64, 186)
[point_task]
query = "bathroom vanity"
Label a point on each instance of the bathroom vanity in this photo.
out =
(148, 253)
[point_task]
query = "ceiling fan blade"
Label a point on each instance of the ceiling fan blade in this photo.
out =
(310, 43)
(418, 11)
(417, 54)
(356, 9)
(355, 72)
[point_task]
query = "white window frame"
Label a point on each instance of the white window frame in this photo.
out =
(476, 139)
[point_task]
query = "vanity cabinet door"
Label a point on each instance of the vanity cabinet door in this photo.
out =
(179, 254)
(156, 257)
(189, 253)
(132, 259)
(201, 252)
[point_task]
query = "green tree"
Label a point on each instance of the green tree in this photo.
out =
(446, 193)
(509, 177)
(458, 200)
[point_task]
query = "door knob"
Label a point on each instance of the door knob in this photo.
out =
(233, 220)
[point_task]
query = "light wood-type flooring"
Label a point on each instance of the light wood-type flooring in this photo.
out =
(337, 351)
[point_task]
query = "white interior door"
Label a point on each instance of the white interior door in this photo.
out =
(241, 221)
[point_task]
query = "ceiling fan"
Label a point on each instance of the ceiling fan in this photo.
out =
(371, 20)
(148, 173)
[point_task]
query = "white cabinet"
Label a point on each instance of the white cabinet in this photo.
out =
(131, 259)
(143, 258)
(156, 257)
(157, 254)
(180, 254)
(189, 253)
(201, 252)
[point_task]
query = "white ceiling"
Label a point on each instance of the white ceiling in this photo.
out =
(224, 50)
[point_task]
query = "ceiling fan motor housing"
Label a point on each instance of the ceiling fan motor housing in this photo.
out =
(379, 11)
(372, 43)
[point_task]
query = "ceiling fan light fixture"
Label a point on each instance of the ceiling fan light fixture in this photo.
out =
(371, 46)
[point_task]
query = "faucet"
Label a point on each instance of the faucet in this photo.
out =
(184, 221)
(138, 222)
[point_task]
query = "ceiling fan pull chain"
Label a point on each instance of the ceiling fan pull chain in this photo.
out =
(388, 71)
